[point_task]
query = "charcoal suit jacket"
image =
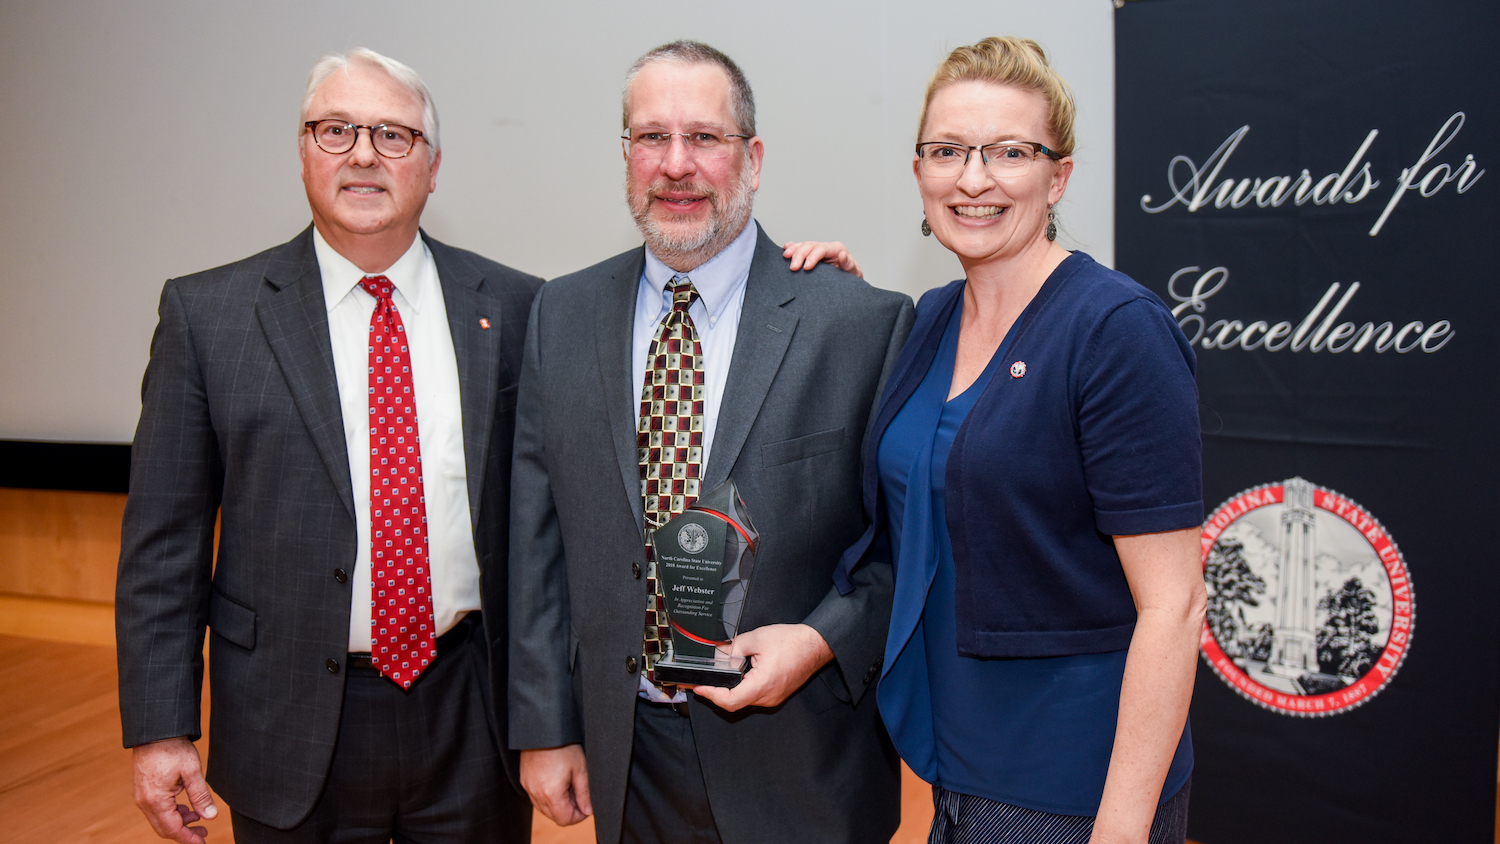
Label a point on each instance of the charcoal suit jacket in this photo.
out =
(810, 354)
(241, 420)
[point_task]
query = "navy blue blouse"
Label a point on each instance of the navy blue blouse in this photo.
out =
(1034, 732)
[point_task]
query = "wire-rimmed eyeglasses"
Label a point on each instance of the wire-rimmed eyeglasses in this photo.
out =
(651, 143)
(1002, 159)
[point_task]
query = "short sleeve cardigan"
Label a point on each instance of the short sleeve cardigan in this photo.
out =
(1088, 430)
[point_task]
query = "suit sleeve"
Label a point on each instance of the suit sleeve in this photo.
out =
(166, 542)
(854, 625)
(543, 711)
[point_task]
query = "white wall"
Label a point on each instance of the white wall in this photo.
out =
(152, 139)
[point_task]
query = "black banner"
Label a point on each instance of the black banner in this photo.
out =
(86, 467)
(1307, 184)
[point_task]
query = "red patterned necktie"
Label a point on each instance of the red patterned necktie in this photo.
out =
(669, 441)
(402, 639)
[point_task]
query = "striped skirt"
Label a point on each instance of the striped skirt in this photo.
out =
(966, 819)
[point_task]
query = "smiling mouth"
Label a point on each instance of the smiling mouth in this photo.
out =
(680, 196)
(978, 212)
(364, 189)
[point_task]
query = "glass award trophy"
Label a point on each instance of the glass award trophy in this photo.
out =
(704, 558)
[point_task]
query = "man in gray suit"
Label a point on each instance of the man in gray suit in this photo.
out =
(790, 367)
(278, 399)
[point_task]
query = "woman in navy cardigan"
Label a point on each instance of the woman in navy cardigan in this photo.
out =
(1034, 473)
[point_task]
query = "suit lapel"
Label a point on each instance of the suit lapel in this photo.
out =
(294, 318)
(613, 323)
(765, 333)
(477, 351)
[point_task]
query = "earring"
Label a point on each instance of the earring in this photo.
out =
(926, 229)
(1051, 223)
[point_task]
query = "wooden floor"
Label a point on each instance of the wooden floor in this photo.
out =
(64, 776)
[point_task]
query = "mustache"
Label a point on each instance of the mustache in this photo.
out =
(671, 185)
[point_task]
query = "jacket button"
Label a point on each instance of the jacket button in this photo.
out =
(629, 664)
(332, 665)
(340, 575)
(871, 674)
(635, 569)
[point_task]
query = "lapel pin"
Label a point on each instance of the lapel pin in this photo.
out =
(1018, 369)
(484, 322)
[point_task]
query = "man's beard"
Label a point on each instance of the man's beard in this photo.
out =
(728, 214)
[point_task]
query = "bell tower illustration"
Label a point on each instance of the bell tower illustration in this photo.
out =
(1294, 640)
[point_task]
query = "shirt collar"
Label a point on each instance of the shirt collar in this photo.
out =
(341, 276)
(718, 279)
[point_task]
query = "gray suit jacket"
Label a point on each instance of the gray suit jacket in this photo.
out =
(810, 354)
(241, 419)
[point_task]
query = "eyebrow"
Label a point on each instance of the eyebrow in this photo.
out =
(1010, 139)
(689, 127)
(341, 115)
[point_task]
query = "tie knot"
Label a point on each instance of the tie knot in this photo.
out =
(378, 286)
(683, 292)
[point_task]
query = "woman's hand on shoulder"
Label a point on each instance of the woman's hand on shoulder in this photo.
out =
(806, 254)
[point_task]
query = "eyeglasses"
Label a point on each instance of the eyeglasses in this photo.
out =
(391, 140)
(1003, 159)
(649, 143)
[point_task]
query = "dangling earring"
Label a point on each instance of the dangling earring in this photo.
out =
(926, 229)
(1051, 223)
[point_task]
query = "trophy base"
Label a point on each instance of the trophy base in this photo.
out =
(687, 671)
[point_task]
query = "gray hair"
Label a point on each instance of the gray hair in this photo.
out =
(398, 72)
(741, 99)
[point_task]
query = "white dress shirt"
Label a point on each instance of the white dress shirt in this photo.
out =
(450, 536)
(720, 283)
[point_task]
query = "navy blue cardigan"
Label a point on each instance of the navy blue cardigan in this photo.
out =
(1088, 430)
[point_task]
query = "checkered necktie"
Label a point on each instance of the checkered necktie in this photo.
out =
(669, 440)
(402, 639)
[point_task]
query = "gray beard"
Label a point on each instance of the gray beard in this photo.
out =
(730, 212)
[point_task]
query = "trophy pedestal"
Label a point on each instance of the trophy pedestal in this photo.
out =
(697, 671)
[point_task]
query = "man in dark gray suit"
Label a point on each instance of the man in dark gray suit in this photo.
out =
(265, 405)
(790, 365)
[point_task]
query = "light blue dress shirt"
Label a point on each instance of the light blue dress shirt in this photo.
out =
(720, 283)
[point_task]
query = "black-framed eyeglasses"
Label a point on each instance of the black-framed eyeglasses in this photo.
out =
(650, 143)
(1003, 158)
(391, 140)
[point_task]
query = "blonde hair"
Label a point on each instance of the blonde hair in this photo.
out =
(1018, 62)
